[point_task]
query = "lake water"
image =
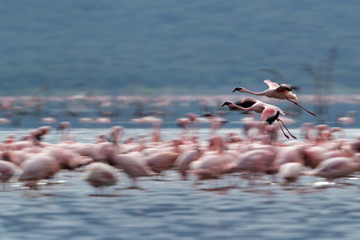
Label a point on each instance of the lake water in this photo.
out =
(169, 208)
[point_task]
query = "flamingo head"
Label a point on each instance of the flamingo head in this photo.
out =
(226, 104)
(238, 89)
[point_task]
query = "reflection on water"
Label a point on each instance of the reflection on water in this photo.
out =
(69, 208)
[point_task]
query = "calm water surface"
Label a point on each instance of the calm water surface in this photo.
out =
(169, 208)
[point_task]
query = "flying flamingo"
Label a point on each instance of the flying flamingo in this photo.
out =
(269, 113)
(282, 91)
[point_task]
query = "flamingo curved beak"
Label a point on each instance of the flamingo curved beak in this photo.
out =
(225, 104)
(237, 89)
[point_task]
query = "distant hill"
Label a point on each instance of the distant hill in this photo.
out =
(173, 47)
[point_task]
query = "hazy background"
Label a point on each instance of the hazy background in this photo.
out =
(173, 47)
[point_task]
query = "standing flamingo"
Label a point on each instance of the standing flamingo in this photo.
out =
(189, 123)
(7, 171)
(64, 127)
(348, 119)
(282, 91)
(100, 175)
(133, 165)
(38, 134)
(291, 171)
(336, 167)
(38, 166)
(269, 113)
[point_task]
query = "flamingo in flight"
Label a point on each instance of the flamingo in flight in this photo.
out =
(269, 113)
(282, 91)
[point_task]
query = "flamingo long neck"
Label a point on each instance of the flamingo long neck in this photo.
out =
(251, 92)
(239, 107)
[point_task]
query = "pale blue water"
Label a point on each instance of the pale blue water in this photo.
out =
(175, 209)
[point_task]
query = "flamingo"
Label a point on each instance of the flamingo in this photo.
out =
(348, 119)
(269, 113)
(188, 123)
(208, 166)
(116, 133)
(291, 171)
(38, 134)
(161, 161)
(288, 154)
(214, 162)
(38, 166)
(156, 125)
(133, 165)
(7, 171)
(100, 175)
(184, 160)
(282, 91)
(64, 127)
(254, 162)
(216, 122)
(336, 167)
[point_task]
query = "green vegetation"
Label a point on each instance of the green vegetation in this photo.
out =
(170, 46)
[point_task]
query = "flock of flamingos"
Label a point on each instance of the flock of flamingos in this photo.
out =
(323, 152)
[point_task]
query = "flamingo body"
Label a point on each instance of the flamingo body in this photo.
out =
(100, 174)
(259, 160)
(8, 170)
(334, 168)
(161, 161)
(291, 171)
(133, 165)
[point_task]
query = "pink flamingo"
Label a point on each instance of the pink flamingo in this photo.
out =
(116, 133)
(254, 161)
(66, 158)
(188, 123)
(64, 127)
(38, 134)
(100, 175)
(282, 91)
(291, 171)
(208, 166)
(48, 120)
(38, 166)
(269, 113)
(336, 167)
(348, 119)
(216, 122)
(287, 154)
(133, 165)
(184, 160)
(214, 162)
(161, 161)
(156, 125)
(7, 171)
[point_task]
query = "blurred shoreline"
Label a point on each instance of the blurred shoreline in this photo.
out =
(89, 111)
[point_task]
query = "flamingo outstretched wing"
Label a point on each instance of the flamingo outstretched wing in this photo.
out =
(271, 84)
(285, 87)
